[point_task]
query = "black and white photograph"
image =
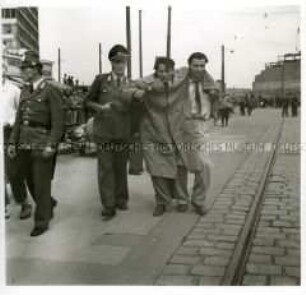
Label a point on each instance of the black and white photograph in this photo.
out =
(151, 143)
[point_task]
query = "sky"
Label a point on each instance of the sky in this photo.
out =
(252, 34)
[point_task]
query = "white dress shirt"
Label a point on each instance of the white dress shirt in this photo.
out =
(9, 101)
(117, 78)
(205, 103)
(37, 83)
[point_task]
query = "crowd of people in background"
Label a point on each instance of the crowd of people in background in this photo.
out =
(70, 80)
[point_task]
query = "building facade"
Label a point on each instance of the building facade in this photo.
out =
(20, 28)
(20, 33)
(280, 79)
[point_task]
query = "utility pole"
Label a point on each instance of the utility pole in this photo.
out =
(169, 33)
(283, 79)
(140, 45)
(222, 70)
(59, 64)
(100, 59)
(128, 41)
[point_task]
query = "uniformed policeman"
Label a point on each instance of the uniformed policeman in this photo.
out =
(35, 136)
(109, 101)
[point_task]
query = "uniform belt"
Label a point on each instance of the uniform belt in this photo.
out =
(35, 124)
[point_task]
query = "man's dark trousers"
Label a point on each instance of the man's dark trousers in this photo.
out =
(12, 171)
(38, 172)
(112, 173)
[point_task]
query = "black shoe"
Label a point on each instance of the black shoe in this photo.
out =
(200, 210)
(182, 207)
(37, 231)
(26, 211)
(159, 210)
(53, 205)
(108, 214)
(122, 206)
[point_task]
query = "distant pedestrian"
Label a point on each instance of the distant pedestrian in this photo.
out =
(65, 79)
(225, 109)
(285, 107)
(249, 103)
(242, 106)
(294, 106)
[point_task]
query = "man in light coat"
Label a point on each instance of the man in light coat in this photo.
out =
(172, 132)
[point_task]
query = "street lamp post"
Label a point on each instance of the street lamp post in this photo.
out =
(223, 83)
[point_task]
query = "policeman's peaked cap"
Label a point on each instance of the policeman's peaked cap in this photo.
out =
(31, 60)
(118, 52)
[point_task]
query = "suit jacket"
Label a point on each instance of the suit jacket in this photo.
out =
(115, 123)
(40, 117)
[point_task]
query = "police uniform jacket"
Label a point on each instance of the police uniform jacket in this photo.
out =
(114, 123)
(40, 117)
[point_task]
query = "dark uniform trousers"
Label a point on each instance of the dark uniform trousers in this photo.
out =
(12, 173)
(111, 132)
(38, 172)
(112, 173)
(39, 123)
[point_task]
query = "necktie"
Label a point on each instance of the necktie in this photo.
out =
(198, 97)
(118, 82)
(31, 87)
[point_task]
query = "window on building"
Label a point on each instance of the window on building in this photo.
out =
(8, 13)
(7, 29)
(4, 13)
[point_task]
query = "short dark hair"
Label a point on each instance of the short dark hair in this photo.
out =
(197, 55)
(162, 60)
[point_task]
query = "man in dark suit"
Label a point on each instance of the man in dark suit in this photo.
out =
(38, 129)
(109, 101)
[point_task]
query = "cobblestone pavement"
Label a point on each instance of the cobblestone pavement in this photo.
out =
(205, 256)
(275, 253)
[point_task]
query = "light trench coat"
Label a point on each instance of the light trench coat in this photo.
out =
(170, 136)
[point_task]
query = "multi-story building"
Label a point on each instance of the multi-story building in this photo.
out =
(20, 33)
(20, 28)
(280, 79)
